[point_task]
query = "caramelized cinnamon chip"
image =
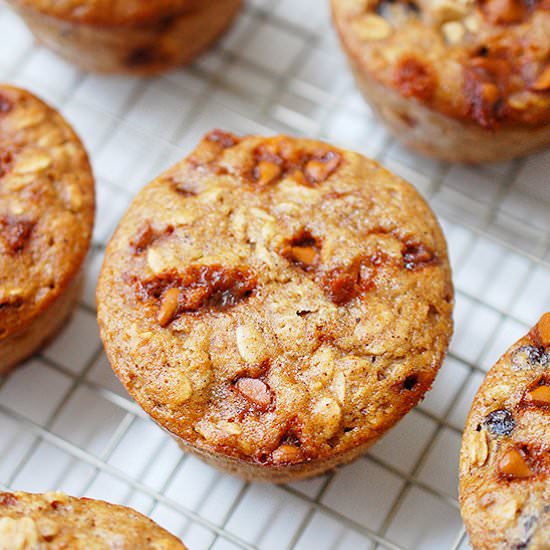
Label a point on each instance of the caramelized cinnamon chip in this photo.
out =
(505, 12)
(539, 395)
(277, 159)
(486, 81)
(512, 465)
(199, 287)
(266, 172)
(224, 139)
(542, 330)
(255, 390)
(413, 78)
(317, 170)
(342, 285)
(303, 250)
(8, 499)
(143, 238)
(15, 232)
(417, 256)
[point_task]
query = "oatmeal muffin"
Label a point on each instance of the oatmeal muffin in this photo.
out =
(505, 457)
(276, 304)
(127, 36)
(459, 80)
(57, 521)
(46, 218)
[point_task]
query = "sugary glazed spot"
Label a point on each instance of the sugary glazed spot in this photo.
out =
(15, 232)
(277, 159)
(197, 288)
(413, 78)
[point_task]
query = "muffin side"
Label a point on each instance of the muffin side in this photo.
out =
(276, 303)
(55, 520)
(504, 460)
(46, 218)
(140, 41)
(452, 79)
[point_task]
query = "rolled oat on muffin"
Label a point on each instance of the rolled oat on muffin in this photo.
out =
(458, 80)
(127, 36)
(46, 219)
(505, 456)
(56, 521)
(276, 304)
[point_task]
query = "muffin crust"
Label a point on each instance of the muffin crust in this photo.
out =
(476, 67)
(57, 521)
(276, 303)
(127, 36)
(46, 218)
(505, 466)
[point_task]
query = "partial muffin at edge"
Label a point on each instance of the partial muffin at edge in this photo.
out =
(461, 81)
(128, 36)
(275, 303)
(505, 456)
(46, 219)
(56, 520)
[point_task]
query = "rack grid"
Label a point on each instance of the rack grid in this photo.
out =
(66, 423)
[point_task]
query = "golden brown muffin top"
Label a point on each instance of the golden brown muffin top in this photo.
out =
(487, 61)
(46, 207)
(278, 300)
(113, 12)
(57, 521)
(505, 457)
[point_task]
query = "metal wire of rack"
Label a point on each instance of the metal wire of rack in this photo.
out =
(66, 423)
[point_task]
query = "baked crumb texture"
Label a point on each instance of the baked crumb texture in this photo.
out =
(275, 303)
(56, 521)
(127, 36)
(46, 218)
(505, 457)
(462, 80)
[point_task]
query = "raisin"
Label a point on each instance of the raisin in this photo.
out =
(532, 355)
(500, 422)
(143, 238)
(410, 382)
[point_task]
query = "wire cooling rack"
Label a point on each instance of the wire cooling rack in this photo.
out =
(66, 423)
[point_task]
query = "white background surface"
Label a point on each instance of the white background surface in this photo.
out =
(65, 422)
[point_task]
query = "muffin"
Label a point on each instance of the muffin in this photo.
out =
(505, 457)
(57, 521)
(46, 218)
(276, 304)
(458, 80)
(127, 36)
